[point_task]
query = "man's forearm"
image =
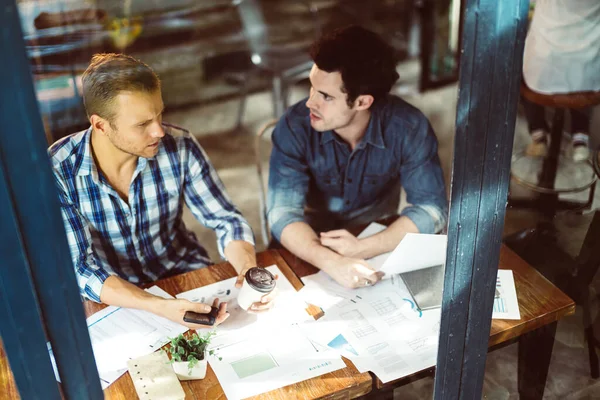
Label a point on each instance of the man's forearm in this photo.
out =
(301, 239)
(386, 240)
(120, 293)
(240, 254)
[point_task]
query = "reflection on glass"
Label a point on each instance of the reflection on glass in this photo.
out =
(444, 61)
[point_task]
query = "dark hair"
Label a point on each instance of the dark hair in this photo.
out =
(107, 75)
(367, 64)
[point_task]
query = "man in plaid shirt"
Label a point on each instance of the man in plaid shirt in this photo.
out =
(122, 186)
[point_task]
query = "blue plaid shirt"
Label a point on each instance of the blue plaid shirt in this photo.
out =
(146, 239)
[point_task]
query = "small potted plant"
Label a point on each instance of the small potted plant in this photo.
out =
(189, 356)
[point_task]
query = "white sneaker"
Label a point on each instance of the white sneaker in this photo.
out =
(539, 144)
(580, 147)
(580, 153)
(537, 149)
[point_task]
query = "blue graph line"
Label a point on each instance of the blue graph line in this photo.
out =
(414, 307)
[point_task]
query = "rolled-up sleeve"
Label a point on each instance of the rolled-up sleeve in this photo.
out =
(288, 178)
(89, 273)
(423, 180)
(206, 197)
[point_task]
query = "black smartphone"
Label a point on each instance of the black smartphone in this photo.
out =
(202, 319)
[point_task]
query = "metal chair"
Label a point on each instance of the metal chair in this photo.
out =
(262, 205)
(283, 64)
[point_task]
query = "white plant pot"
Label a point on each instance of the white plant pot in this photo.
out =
(184, 374)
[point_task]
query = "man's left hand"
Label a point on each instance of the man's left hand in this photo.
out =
(342, 242)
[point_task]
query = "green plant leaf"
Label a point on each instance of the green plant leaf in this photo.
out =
(193, 361)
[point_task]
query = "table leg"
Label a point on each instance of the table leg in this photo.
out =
(535, 351)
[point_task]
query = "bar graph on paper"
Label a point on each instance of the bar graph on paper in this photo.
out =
(506, 303)
(499, 302)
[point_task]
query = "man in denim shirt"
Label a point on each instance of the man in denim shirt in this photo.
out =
(341, 156)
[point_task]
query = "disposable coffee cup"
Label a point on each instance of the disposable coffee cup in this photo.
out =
(257, 283)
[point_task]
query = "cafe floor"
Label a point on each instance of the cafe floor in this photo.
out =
(231, 152)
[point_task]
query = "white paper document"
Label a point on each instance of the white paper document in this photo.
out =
(382, 332)
(289, 307)
(323, 291)
(270, 361)
(416, 251)
(373, 228)
(506, 304)
(121, 334)
(263, 352)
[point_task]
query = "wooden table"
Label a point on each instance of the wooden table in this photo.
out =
(541, 305)
(346, 383)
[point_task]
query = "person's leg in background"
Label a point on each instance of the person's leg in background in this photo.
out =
(538, 128)
(580, 130)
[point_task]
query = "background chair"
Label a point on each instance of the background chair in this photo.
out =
(262, 205)
(284, 64)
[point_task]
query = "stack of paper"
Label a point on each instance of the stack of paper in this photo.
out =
(381, 332)
(381, 328)
(262, 352)
(121, 334)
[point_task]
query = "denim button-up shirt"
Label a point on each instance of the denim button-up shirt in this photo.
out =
(319, 170)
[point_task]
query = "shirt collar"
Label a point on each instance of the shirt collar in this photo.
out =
(326, 137)
(373, 135)
(87, 166)
(86, 161)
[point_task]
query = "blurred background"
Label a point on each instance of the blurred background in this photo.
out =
(230, 66)
(212, 50)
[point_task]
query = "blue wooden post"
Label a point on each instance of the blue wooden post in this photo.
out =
(37, 266)
(21, 328)
(490, 74)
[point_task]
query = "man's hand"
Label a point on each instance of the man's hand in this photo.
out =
(265, 303)
(342, 242)
(353, 273)
(174, 310)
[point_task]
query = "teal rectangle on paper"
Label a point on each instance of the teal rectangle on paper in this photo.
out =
(253, 365)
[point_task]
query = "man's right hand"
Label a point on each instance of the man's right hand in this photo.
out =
(175, 309)
(353, 273)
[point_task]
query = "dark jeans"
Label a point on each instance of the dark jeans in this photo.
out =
(536, 118)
